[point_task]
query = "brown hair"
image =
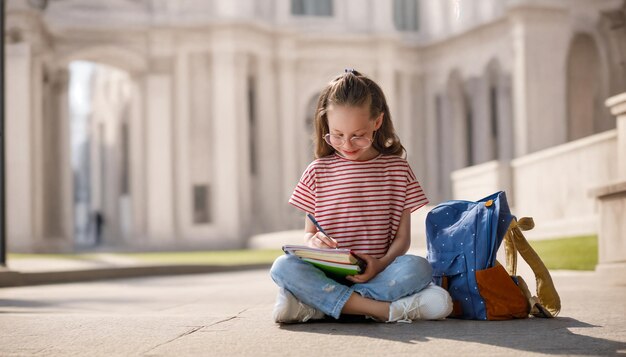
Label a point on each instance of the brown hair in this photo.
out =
(354, 89)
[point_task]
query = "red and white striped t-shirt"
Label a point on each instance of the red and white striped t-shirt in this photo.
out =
(359, 203)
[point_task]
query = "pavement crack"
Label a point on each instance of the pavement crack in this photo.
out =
(189, 332)
(228, 318)
(186, 333)
(196, 329)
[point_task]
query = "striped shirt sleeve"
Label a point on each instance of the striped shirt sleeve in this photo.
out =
(303, 196)
(415, 196)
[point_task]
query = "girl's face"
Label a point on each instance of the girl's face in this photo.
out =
(347, 122)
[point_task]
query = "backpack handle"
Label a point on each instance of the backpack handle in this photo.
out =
(548, 303)
(524, 224)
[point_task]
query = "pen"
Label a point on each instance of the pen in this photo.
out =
(316, 224)
(319, 227)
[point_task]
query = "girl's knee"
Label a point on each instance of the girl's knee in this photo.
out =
(277, 266)
(281, 266)
(418, 264)
(419, 269)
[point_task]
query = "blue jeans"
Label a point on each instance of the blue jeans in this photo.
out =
(406, 275)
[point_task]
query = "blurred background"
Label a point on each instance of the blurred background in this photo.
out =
(156, 125)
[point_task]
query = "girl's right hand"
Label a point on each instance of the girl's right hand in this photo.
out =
(320, 240)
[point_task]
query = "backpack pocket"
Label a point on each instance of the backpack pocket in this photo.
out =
(446, 264)
(503, 298)
(449, 272)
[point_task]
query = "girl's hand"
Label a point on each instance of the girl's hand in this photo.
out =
(320, 240)
(374, 266)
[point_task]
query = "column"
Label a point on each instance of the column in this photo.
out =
(419, 127)
(482, 141)
(19, 145)
(540, 39)
(183, 214)
(505, 141)
(403, 119)
(430, 156)
(241, 65)
(196, 148)
(445, 147)
(617, 104)
(159, 166)
(385, 75)
(288, 132)
(137, 160)
(612, 207)
(383, 16)
(269, 191)
(57, 168)
(230, 143)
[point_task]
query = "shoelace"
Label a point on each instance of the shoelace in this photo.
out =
(305, 313)
(407, 309)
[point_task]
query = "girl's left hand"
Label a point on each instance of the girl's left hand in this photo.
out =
(374, 266)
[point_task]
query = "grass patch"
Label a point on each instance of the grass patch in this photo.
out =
(576, 253)
(71, 256)
(222, 257)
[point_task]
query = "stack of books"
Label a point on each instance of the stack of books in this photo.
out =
(334, 262)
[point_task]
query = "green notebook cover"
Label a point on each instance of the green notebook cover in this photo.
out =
(335, 269)
(334, 262)
(335, 255)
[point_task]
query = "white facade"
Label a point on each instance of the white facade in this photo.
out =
(212, 130)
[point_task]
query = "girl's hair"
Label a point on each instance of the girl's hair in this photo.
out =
(354, 89)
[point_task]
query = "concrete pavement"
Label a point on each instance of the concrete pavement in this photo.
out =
(50, 269)
(46, 270)
(229, 314)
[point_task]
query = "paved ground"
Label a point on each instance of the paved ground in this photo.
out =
(229, 313)
(224, 314)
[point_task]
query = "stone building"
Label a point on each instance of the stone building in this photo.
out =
(199, 117)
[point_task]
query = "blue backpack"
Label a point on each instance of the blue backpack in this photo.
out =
(463, 238)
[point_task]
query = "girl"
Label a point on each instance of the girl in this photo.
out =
(362, 191)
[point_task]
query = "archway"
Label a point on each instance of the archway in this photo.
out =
(460, 125)
(99, 114)
(454, 122)
(586, 114)
(493, 110)
(308, 129)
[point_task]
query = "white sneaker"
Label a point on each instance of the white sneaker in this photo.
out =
(431, 303)
(289, 310)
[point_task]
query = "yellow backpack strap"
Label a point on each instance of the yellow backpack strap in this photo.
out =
(510, 251)
(525, 224)
(548, 303)
(511, 266)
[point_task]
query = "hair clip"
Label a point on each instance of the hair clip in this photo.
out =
(349, 70)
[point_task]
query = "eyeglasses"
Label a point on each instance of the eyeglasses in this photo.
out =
(338, 140)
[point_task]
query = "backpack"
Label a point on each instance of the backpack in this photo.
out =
(463, 238)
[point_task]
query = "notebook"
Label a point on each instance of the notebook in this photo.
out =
(334, 262)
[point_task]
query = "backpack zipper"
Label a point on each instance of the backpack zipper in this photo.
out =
(489, 204)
